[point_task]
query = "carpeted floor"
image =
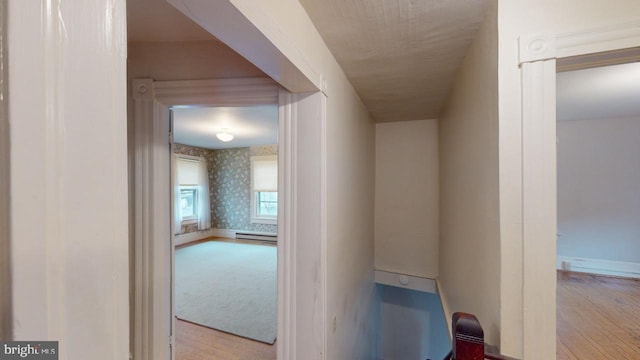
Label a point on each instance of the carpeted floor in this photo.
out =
(230, 287)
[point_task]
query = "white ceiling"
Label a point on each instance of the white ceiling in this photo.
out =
(250, 126)
(401, 56)
(599, 93)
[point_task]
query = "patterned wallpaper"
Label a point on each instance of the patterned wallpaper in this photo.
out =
(229, 183)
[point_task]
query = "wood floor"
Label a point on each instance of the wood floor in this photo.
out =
(195, 342)
(597, 317)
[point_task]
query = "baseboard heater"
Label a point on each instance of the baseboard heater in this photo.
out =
(261, 236)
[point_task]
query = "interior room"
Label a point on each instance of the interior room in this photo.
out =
(225, 176)
(598, 246)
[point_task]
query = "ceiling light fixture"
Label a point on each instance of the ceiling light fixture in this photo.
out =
(224, 135)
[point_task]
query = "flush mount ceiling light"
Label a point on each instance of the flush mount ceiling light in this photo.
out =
(224, 135)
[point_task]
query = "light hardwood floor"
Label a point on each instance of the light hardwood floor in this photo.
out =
(597, 317)
(195, 342)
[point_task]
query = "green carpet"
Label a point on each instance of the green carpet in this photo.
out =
(230, 287)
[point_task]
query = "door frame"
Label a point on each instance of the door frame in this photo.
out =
(152, 328)
(6, 316)
(540, 54)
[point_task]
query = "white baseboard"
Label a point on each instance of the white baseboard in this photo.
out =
(599, 267)
(448, 315)
(405, 281)
(225, 233)
(199, 235)
(192, 236)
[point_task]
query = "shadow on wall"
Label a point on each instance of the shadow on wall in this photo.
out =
(413, 325)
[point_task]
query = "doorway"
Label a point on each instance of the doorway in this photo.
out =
(538, 58)
(225, 214)
(598, 246)
(301, 241)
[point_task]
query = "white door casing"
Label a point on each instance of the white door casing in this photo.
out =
(5, 259)
(300, 218)
(68, 142)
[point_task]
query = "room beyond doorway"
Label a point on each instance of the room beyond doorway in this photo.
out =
(226, 287)
(199, 342)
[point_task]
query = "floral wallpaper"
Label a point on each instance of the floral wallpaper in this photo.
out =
(229, 183)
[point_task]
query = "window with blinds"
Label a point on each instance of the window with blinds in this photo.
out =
(188, 178)
(264, 189)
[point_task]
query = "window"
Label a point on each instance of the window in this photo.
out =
(191, 192)
(188, 202)
(264, 188)
(267, 203)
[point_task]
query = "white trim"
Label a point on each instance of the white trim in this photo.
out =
(261, 219)
(190, 157)
(182, 239)
(224, 233)
(323, 218)
(222, 92)
(537, 47)
(538, 54)
(446, 309)
(287, 218)
(302, 118)
(599, 39)
(152, 224)
(188, 220)
(65, 287)
(5, 259)
(539, 209)
(599, 267)
(406, 281)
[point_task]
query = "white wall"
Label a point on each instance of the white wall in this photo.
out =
(187, 61)
(350, 226)
(69, 175)
(515, 19)
(350, 176)
(406, 209)
(599, 189)
(469, 212)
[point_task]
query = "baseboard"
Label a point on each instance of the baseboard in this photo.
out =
(445, 307)
(200, 235)
(192, 236)
(405, 281)
(599, 267)
(225, 233)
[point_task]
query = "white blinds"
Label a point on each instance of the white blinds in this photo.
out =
(264, 172)
(188, 171)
